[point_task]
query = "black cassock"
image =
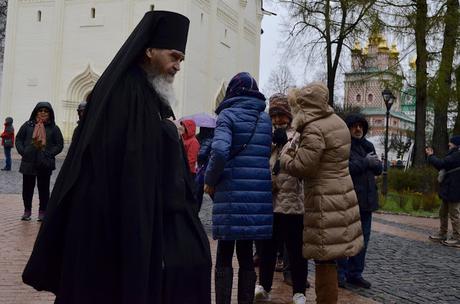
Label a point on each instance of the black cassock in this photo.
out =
(121, 225)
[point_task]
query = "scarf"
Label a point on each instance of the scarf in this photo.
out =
(39, 135)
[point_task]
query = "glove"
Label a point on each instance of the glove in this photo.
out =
(373, 160)
(280, 137)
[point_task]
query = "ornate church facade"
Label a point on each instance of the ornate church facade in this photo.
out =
(56, 50)
(374, 68)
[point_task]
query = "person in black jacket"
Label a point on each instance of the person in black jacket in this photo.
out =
(449, 191)
(205, 139)
(364, 165)
(38, 141)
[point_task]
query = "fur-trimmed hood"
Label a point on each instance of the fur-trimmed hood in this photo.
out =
(309, 103)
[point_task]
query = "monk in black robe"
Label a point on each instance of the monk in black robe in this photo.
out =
(120, 225)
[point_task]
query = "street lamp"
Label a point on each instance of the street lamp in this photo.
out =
(388, 98)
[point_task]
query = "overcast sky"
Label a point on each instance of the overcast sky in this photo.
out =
(272, 50)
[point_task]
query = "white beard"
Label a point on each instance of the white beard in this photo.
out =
(163, 85)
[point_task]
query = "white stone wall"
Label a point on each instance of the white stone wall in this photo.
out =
(59, 57)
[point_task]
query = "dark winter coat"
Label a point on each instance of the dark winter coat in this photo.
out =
(205, 151)
(449, 190)
(243, 196)
(362, 173)
(30, 155)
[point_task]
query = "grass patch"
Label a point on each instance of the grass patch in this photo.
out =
(412, 203)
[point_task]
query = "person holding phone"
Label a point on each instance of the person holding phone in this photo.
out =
(364, 165)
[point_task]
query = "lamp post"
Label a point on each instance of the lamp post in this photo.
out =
(388, 98)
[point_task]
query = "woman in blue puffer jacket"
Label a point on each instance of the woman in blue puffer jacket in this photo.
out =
(238, 176)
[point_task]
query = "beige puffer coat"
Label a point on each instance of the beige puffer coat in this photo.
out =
(332, 227)
(287, 189)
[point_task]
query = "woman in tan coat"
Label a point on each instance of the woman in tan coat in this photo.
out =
(332, 227)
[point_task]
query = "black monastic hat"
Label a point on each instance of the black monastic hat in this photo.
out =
(170, 31)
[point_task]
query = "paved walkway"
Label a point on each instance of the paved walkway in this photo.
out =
(402, 264)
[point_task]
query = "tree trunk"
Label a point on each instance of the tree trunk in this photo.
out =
(444, 79)
(421, 82)
(456, 130)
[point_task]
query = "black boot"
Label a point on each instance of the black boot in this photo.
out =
(246, 286)
(223, 280)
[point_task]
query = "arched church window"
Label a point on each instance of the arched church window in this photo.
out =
(202, 17)
(225, 34)
(370, 97)
(93, 12)
(39, 16)
(358, 98)
(152, 7)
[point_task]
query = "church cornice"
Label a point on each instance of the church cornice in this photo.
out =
(205, 5)
(228, 16)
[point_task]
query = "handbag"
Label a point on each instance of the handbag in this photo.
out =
(8, 143)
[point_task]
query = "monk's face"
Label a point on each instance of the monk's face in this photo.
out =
(164, 62)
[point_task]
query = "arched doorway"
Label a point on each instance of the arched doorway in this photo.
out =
(79, 88)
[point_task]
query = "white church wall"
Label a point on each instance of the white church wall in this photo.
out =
(61, 56)
(33, 60)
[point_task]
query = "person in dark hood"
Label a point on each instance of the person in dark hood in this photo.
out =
(238, 175)
(364, 166)
(81, 110)
(120, 226)
(8, 142)
(205, 140)
(449, 192)
(39, 140)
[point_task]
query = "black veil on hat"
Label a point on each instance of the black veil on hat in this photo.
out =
(160, 29)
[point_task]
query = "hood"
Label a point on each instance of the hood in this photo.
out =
(243, 102)
(8, 121)
(310, 103)
(190, 128)
(42, 104)
(356, 117)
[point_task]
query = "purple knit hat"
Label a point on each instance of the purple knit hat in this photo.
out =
(243, 84)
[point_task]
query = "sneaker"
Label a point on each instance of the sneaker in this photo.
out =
(438, 237)
(6, 169)
(41, 216)
(26, 215)
(299, 298)
(451, 243)
(260, 295)
(359, 282)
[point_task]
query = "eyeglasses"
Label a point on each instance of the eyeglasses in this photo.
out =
(43, 110)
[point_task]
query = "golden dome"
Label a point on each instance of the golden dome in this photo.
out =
(366, 50)
(394, 51)
(383, 46)
(357, 47)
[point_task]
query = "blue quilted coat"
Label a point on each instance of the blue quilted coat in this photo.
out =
(242, 207)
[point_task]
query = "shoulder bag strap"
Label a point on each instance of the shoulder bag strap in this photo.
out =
(243, 147)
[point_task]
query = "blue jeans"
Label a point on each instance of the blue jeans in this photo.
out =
(353, 267)
(7, 158)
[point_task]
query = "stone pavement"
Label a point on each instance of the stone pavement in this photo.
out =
(402, 264)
